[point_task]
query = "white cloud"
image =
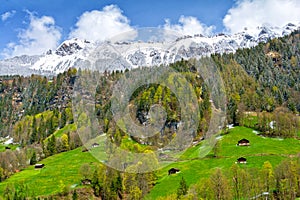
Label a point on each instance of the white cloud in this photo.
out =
(7, 15)
(253, 13)
(188, 25)
(101, 25)
(40, 36)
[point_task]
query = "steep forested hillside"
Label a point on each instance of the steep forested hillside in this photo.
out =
(272, 74)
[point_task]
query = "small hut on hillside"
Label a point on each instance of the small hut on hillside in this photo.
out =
(95, 145)
(243, 142)
(173, 171)
(242, 160)
(39, 166)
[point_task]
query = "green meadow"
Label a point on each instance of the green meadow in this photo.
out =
(261, 149)
(64, 168)
(59, 169)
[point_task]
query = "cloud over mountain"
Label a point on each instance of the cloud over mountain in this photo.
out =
(40, 35)
(188, 25)
(253, 13)
(98, 25)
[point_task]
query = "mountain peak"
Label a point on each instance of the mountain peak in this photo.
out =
(82, 53)
(71, 46)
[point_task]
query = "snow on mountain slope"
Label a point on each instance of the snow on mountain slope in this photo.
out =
(121, 55)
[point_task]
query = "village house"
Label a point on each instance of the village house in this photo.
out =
(242, 160)
(173, 171)
(243, 142)
(95, 145)
(39, 166)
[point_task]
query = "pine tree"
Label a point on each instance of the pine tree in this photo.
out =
(63, 119)
(1, 174)
(74, 195)
(33, 136)
(96, 184)
(65, 142)
(219, 185)
(51, 145)
(33, 159)
(268, 176)
(182, 189)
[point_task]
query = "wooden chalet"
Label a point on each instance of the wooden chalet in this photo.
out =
(173, 171)
(243, 142)
(39, 166)
(95, 145)
(242, 160)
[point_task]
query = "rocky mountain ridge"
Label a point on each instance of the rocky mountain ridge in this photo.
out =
(110, 56)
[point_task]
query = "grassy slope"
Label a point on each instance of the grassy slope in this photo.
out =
(65, 166)
(261, 150)
(61, 167)
(67, 128)
(12, 147)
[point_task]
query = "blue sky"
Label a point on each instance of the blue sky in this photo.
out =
(33, 26)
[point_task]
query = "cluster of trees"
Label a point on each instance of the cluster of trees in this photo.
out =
(37, 141)
(65, 142)
(262, 78)
(21, 96)
(19, 192)
(109, 183)
(275, 66)
(13, 161)
(44, 107)
(32, 109)
(247, 183)
(39, 127)
(280, 123)
(141, 101)
(148, 95)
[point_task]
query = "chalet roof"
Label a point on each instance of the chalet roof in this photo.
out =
(243, 141)
(241, 159)
(173, 171)
(39, 165)
(176, 169)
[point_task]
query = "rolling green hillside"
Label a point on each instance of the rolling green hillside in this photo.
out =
(64, 168)
(59, 169)
(261, 149)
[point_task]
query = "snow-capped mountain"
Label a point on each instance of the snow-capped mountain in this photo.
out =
(131, 54)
